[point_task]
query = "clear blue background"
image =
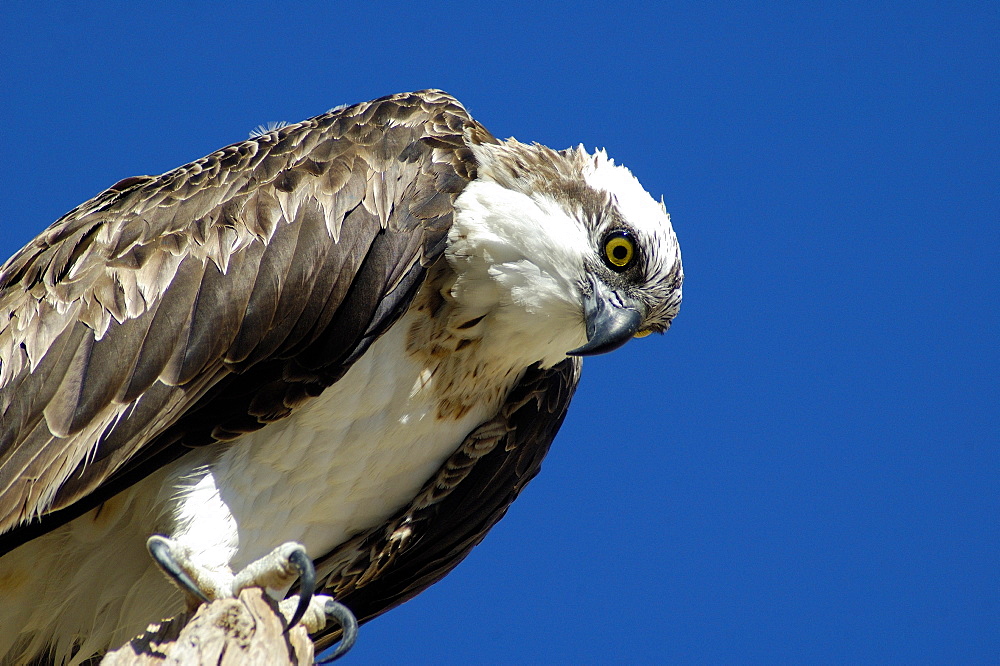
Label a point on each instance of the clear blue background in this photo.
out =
(805, 468)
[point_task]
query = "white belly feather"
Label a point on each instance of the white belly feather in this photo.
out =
(340, 464)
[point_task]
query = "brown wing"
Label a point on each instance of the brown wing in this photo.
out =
(189, 308)
(383, 567)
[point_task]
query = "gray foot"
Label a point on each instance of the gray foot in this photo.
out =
(276, 570)
(279, 569)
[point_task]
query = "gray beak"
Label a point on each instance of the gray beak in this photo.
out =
(612, 320)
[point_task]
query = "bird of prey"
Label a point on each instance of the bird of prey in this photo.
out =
(352, 337)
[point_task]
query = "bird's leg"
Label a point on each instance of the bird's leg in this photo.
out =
(348, 624)
(320, 610)
(200, 583)
(276, 570)
(279, 569)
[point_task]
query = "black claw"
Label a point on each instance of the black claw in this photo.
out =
(307, 583)
(348, 623)
(163, 556)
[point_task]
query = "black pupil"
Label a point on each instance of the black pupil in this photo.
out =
(620, 252)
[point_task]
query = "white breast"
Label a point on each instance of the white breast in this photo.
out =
(340, 464)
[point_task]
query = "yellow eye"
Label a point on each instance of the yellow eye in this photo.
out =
(619, 250)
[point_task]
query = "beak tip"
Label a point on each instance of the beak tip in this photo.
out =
(608, 331)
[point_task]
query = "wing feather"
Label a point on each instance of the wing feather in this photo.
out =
(179, 310)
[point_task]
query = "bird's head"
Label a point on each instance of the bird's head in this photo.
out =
(569, 237)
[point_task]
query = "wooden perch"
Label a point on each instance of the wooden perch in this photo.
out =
(228, 632)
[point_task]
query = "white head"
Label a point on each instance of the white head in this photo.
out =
(564, 237)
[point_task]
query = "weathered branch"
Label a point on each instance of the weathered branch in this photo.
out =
(228, 632)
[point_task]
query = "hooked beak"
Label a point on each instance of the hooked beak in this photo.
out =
(612, 320)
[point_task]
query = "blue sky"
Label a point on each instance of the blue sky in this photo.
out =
(806, 468)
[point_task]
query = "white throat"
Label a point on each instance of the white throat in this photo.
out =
(517, 261)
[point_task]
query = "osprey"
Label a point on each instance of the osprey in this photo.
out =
(353, 337)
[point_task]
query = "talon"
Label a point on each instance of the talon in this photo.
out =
(160, 549)
(348, 624)
(307, 583)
